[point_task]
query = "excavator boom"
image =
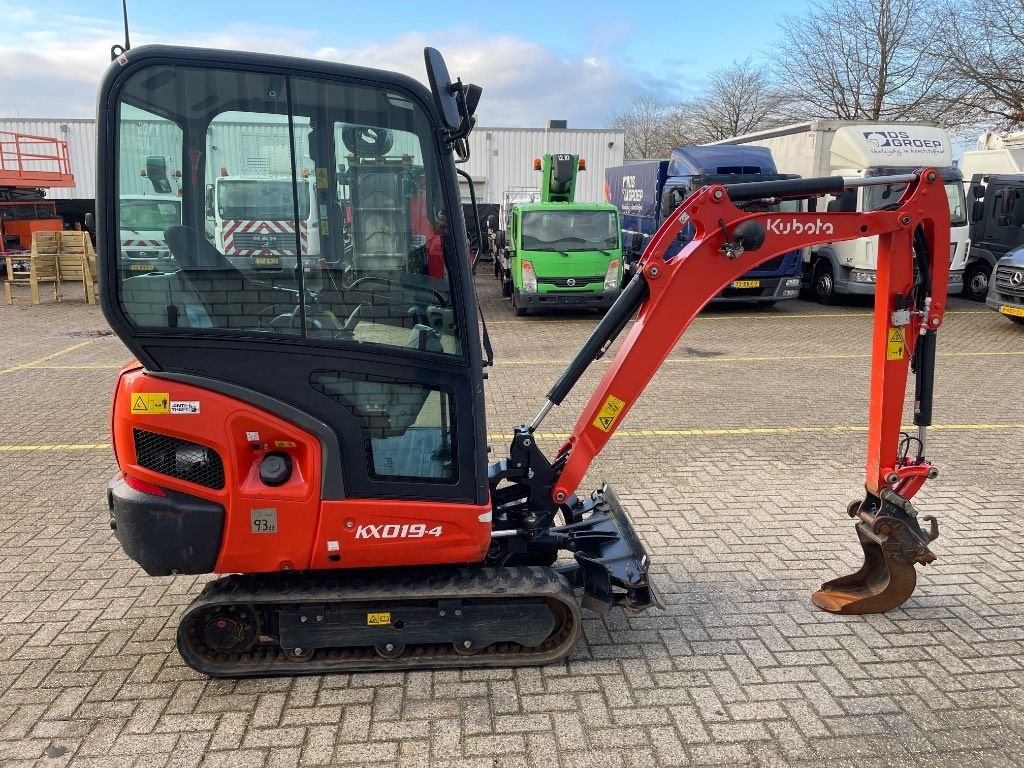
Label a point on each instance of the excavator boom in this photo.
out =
(909, 304)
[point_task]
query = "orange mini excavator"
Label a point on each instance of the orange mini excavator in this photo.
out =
(316, 430)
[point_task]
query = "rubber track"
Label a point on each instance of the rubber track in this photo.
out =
(386, 588)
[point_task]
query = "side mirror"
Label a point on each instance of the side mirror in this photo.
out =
(499, 239)
(443, 89)
(636, 242)
(978, 191)
(977, 210)
(90, 221)
(209, 200)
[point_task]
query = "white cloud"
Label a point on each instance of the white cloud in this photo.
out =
(47, 72)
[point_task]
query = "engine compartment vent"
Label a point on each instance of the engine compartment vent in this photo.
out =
(178, 458)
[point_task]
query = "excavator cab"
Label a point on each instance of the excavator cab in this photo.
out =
(381, 358)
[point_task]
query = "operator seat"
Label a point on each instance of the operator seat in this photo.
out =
(228, 298)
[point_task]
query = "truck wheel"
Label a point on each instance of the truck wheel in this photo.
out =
(520, 311)
(976, 281)
(823, 283)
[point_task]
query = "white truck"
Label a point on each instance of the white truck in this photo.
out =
(994, 178)
(254, 225)
(863, 149)
(143, 220)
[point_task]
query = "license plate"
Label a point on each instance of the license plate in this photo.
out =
(142, 267)
(264, 261)
(1015, 311)
(746, 283)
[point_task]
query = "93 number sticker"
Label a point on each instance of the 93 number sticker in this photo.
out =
(264, 520)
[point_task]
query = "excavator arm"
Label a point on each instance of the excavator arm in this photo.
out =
(912, 276)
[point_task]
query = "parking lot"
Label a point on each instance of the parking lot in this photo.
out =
(736, 465)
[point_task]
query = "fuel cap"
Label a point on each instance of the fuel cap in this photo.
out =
(275, 468)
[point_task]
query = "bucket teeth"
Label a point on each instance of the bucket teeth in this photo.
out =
(893, 543)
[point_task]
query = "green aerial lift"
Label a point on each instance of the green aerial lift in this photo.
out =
(556, 252)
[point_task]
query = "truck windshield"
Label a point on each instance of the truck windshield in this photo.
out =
(260, 199)
(570, 230)
(881, 196)
(152, 215)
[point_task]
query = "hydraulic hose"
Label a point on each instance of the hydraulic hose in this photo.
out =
(607, 330)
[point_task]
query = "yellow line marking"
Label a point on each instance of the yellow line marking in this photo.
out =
(727, 431)
(58, 447)
(93, 367)
(38, 360)
(628, 433)
(759, 359)
(716, 318)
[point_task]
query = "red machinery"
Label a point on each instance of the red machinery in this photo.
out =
(338, 468)
(29, 165)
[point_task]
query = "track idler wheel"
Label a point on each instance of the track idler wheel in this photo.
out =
(231, 629)
(893, 543)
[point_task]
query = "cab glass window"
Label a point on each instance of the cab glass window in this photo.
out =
(262, 204)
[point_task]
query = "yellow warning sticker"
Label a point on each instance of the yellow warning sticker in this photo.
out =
(284, 443)
(896, 345)
(609, 413)
(151, 402)
(377, 619)
(325, 227)
(321, 178)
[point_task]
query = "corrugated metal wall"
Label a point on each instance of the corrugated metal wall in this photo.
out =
(81, 138)
(500, 158)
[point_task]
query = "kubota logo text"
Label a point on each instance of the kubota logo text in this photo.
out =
(797, 227)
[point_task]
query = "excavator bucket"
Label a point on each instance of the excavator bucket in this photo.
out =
(893, 544)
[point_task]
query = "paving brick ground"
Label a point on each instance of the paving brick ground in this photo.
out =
(740, 669)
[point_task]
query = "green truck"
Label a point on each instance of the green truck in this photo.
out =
(556, 252)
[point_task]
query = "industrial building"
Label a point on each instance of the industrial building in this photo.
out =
(500, 158)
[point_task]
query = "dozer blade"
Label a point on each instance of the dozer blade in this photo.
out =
(611, 561)
(893, 543)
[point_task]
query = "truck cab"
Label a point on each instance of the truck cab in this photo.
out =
(557, 252)
(996, 205)
(254, 222)
(646, 194)
(850, 267)
(143, 219)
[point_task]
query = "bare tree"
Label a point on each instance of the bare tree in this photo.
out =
(981, 54)
(739, 99)
(864, 60)
(650, 128)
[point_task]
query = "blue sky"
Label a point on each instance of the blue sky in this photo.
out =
(535, 60)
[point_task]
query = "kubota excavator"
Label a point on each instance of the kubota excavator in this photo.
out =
(319, 435)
